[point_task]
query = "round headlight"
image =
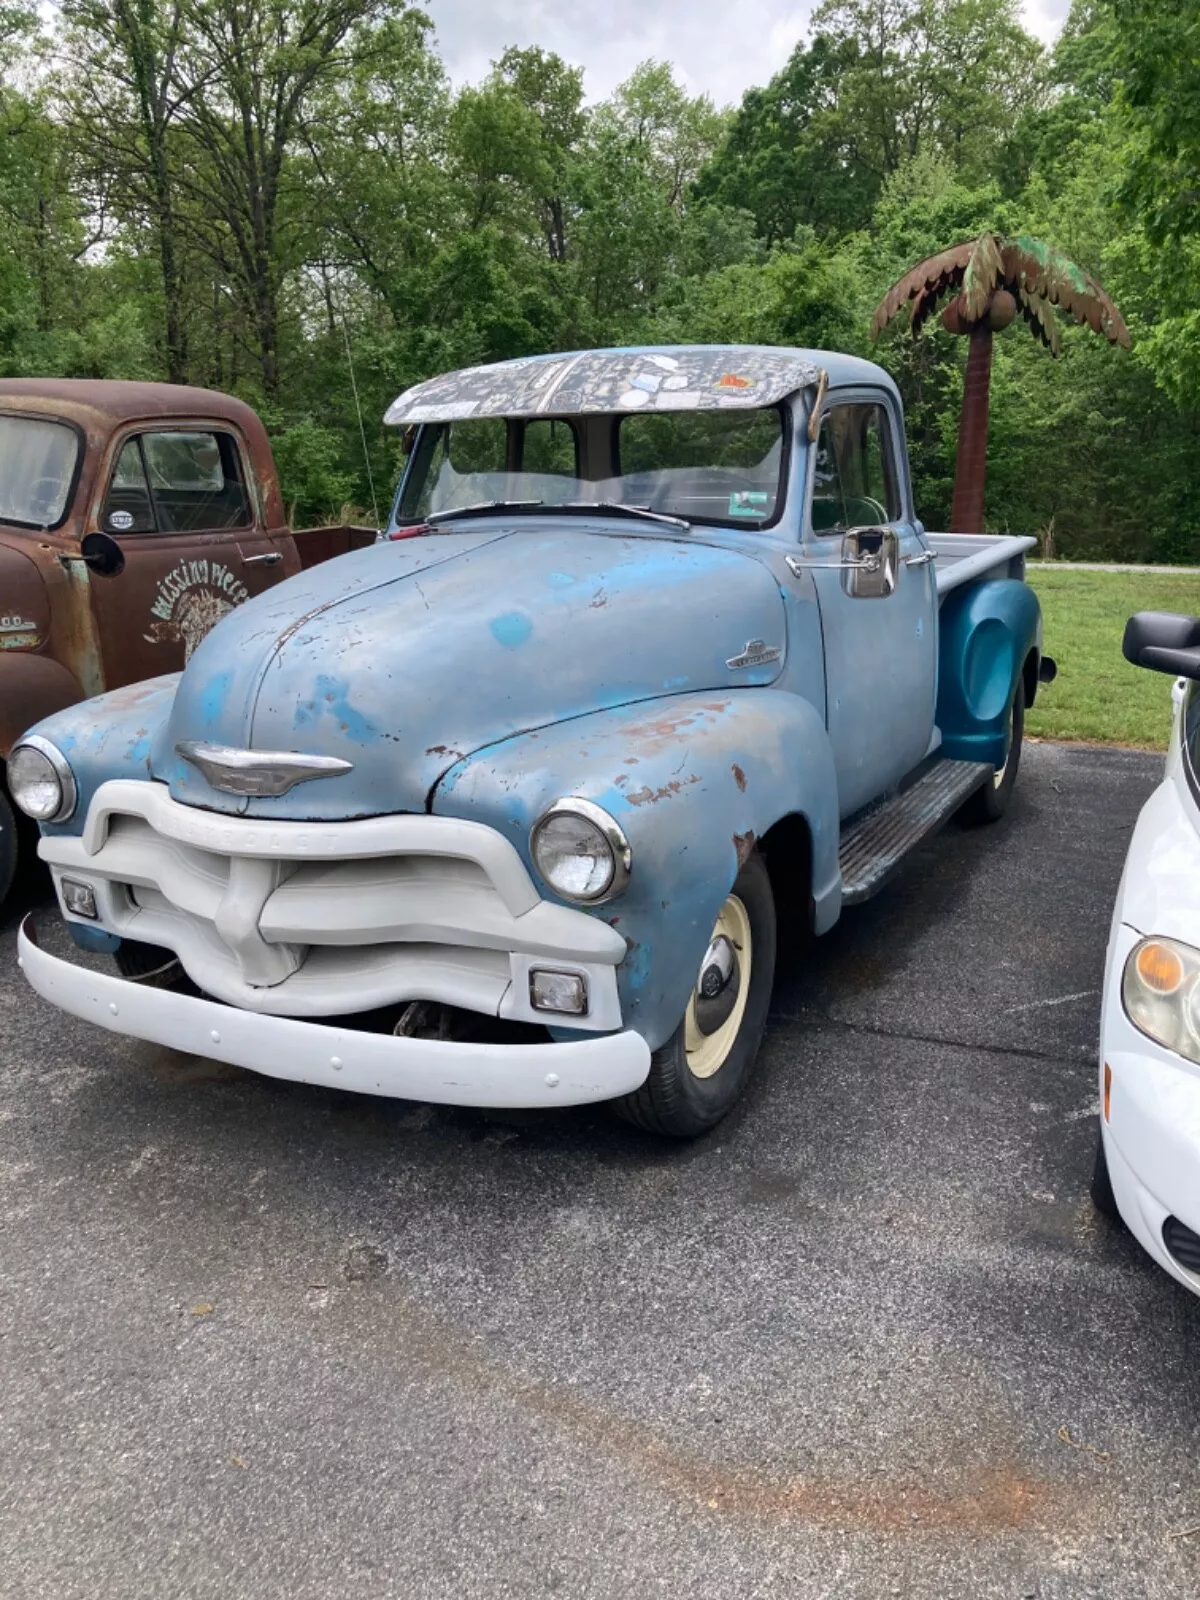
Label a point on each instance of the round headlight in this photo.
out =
(580, 851)
(40, 780)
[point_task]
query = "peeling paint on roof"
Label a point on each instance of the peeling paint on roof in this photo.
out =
(676, 378)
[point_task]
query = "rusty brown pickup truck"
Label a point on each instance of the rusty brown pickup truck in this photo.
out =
(132, 517)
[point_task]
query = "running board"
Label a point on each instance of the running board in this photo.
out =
(874, 845)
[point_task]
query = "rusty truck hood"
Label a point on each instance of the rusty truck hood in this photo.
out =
(408, 656)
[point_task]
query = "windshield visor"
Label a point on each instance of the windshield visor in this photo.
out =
(38, 458)
(719, 467)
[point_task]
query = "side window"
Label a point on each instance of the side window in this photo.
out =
(196, 481)
(854, 480)
(127, 507)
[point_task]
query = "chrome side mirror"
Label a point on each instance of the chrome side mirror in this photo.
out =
(870, 561)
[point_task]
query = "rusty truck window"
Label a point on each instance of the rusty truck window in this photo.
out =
(196, 481)
(168, 482)
(38, 459)
(127, 507)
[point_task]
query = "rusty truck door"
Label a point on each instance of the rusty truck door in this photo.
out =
(179, 501)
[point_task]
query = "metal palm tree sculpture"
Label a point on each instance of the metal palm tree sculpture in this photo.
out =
(991, 279)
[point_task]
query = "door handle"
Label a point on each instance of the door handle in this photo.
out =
(922, 560)
(869, 563)
(269, 558)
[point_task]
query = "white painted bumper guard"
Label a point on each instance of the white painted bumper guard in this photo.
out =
(445, 1072)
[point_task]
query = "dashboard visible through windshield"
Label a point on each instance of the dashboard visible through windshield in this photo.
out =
(723, 467)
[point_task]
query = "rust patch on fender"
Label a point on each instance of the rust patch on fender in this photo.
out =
(655, 733)
(739, 777)
(744, 844)
(648, 797)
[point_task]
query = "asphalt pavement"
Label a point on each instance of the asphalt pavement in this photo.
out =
(867, 1339)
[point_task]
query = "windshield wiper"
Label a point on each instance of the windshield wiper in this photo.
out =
(481, 508)
(622, 507)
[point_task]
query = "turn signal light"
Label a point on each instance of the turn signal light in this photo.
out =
(79, 898)
(558, 991)
(1159, 968)
(1107, 1090)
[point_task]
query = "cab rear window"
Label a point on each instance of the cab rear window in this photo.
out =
(38, 458)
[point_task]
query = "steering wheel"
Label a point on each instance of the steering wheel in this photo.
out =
(45, 495)
(879, 513)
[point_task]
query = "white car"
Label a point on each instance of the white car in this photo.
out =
(1148, 1157)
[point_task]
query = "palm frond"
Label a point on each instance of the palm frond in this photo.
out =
(1049, 275)
(926, 284)
(984, 272)
(1037, 274)
(1038, 316)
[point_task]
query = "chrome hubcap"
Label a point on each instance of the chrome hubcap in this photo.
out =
(718, 1002)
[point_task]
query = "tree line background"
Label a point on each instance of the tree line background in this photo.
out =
(236, 193)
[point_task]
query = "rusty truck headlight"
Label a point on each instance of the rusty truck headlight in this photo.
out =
(580, 851)
(40, 780)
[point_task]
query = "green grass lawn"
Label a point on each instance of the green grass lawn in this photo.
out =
(1097, 695)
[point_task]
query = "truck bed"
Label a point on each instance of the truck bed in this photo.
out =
(963, 557)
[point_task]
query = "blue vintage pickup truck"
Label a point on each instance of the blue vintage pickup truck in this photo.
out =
(503, 810)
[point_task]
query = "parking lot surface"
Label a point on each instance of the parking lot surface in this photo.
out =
(866, 1339)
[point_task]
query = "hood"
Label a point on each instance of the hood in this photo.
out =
(407, 656)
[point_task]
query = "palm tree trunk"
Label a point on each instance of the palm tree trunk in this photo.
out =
(970, 471)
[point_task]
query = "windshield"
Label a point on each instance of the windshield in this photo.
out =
(37, 469)
(719, 466)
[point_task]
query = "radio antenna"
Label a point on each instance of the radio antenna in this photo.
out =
(362, 431)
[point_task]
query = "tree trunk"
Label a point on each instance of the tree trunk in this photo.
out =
(176, 350)
(970, 471)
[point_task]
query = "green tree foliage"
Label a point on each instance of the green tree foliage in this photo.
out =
(252, 194)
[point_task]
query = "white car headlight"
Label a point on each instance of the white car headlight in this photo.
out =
(1161, 993)
(580, 851)
(40, 780)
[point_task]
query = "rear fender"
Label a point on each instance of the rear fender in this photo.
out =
(987, 632)
(694, 781)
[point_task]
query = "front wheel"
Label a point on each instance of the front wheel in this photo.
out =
(991, 802)
(149, 964)
(696, 1077)
(1103, 1198)
(8, 846)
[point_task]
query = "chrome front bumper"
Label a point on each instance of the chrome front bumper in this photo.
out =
(443, 1072)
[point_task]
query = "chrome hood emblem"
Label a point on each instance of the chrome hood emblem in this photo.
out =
(257, 772)
(756, 654)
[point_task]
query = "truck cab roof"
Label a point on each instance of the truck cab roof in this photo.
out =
(101, 404)
(639, 378)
